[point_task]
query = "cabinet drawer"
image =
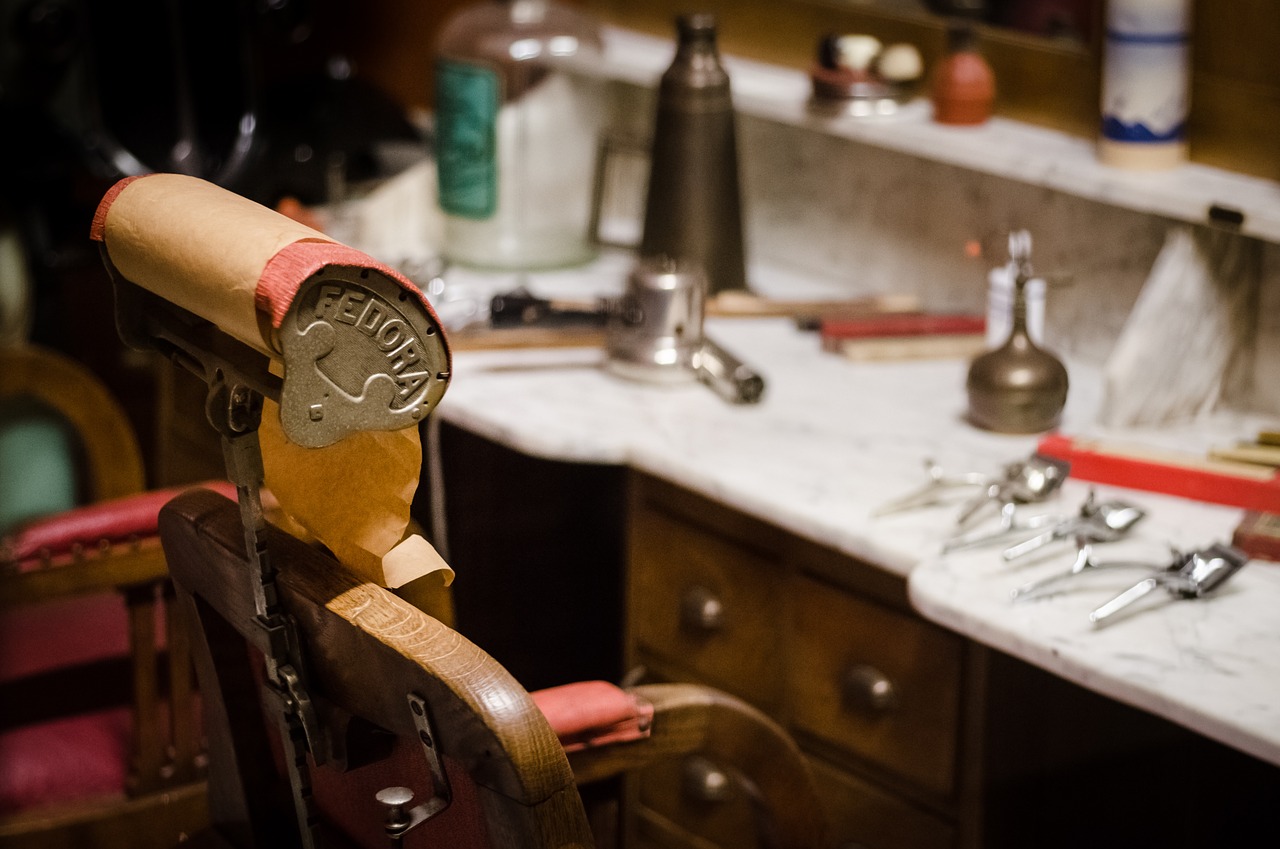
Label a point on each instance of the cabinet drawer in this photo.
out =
(879, 684)
(708, 606)
(860, 815)
(689, 794)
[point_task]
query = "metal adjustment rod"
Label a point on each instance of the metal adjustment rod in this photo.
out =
(285, 671)
(238, 379)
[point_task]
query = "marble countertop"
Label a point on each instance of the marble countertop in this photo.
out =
(833, 439)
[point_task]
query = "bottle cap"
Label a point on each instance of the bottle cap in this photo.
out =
(696, 26)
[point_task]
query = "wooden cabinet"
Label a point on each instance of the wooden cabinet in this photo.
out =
(708, 602)
(824, 644)
(877, 684)
(918, 738)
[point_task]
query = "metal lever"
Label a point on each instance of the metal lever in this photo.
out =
(1084, 562)
(1011, 524)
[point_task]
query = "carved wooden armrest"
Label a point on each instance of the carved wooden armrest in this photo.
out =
(764, 760)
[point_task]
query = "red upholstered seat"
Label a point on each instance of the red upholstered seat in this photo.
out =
(61, 633)
(80, 749)
(72, 757)
(64, 760)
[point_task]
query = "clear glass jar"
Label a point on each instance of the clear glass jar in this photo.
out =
(518, 123)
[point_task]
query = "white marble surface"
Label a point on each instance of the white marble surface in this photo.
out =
(1212, 664)
(833, 439)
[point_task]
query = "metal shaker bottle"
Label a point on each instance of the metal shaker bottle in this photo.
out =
(693, 211)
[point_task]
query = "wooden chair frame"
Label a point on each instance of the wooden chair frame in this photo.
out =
(369, 651)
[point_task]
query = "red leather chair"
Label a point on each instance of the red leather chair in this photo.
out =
(103, 736)
(99, 743)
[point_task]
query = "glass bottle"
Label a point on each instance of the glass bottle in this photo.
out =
(518, 119)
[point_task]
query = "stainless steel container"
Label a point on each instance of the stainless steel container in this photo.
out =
(654, 331)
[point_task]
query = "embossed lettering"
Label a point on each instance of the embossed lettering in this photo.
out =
(378, 320)
(409, 383)
(391, 334)
(329, 295)
(372, 317)
(403, 357)
(347, 312)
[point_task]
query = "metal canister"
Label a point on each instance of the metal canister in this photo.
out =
(693, 210)
(654, 331)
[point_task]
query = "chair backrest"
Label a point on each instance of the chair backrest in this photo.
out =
(379, 669)
(108, 447)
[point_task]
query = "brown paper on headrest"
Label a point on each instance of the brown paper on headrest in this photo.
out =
(199, 246)
(354, 497)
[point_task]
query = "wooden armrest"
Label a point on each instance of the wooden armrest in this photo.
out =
(692, 718)
(366, 651)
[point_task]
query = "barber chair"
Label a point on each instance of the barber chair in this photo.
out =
(99, 744)
(338, 714)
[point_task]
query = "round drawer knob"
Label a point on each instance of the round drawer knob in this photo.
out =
(703, 781)
(869, 689)
(701, 611)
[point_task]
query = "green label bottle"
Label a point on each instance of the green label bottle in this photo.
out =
(467, 101)
(519, 109)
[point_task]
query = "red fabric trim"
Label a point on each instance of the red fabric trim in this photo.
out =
(99, 225)
(588, 714)
(118, 520)
(285, 273)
